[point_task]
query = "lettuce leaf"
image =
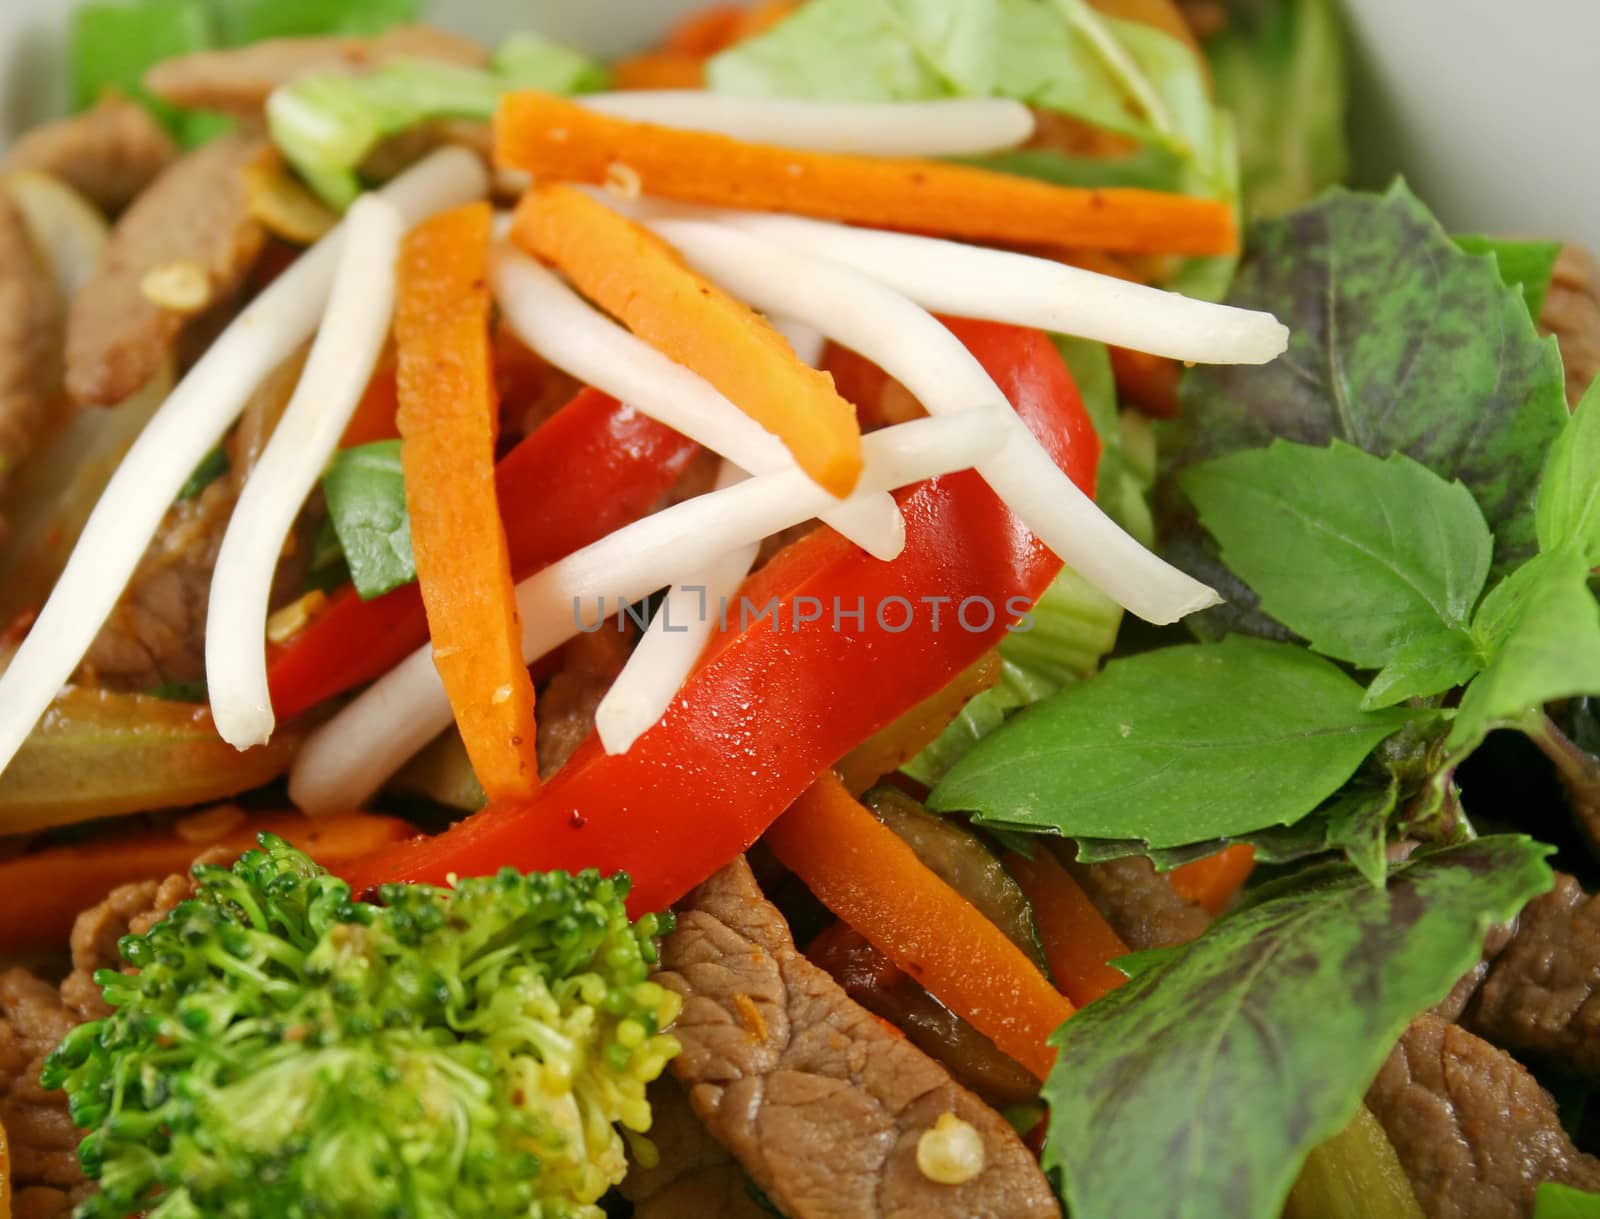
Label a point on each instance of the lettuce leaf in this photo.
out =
(1056, 54)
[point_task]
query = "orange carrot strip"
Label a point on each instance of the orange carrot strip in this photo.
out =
(554, 138)
(448, 421)
(866, 875)
(1211, 883)
(660, 70)
(42, 892)
(705, 31)
(641, 280)
(1078, 942)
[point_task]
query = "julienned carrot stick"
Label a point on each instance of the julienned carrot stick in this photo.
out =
(448, 420)
(866, 875)
(640, 279)
(1078, 942)
(42, 892)
(554, 138)
(1212, 882)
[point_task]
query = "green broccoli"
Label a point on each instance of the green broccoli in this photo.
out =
(286, 1051)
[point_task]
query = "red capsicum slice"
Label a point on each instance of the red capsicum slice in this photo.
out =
(776, 701)
(589, 469)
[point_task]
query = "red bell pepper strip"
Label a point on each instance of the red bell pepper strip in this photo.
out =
(591, 468)
(775, 701)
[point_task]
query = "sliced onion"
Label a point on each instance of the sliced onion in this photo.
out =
(188, 425)
(948, 127)
(350, 756)
(557, 323)
(68, 230)
(910, 344)
(100, 754)
(349, 340)
(56, 489)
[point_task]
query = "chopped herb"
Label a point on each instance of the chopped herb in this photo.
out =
(212, 467)
(366, 495)
(179, 691)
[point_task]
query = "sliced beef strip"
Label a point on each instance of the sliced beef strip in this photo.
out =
(1461, 994)
(1541, 995)
(695, 1177)
(34, 1017)
(1474, 1131)
(157, 632)
(195, 213)
(589, 664)
(1572, 313)
(239, 81)
(29, 339)
(873, 981)
(1140, 903)
(822, 1105)
(109, 153)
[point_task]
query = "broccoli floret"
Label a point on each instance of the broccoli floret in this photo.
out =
(286, 1051)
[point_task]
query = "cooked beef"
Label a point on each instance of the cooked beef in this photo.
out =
(157, 632)
(127, 910)
(43, 1141)
(1475, 1132)
(1139, 903)
(108, 153)
(404, 149)
(821, 1103)
(1572, 313)
(239, 81)
(1541, 996)
(873, 981)
(695, 1178)
(29, 339)
(195, 216)
(589, 664)
(1461, 994)
(34, 1017)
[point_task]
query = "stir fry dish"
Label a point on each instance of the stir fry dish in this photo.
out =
(883, 608)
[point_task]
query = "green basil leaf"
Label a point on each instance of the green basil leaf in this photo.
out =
(1355, 822)
(1216, 1071)
(1427, 665)
(366, 495)
(1400, 343)
(1527, 265)
(1569, 493)
(1358, 554)
(1174, 747)
(1554, 1201)
(1136, 963)
(1540, 630)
